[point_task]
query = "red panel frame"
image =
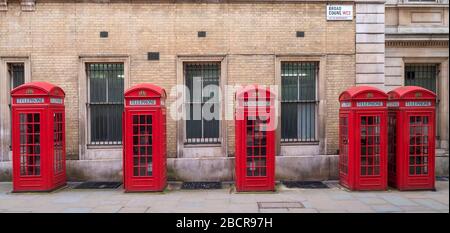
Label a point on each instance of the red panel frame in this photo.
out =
(253, 176)
(404, 104)
(366, 153)
(144, 139)
(46, 100)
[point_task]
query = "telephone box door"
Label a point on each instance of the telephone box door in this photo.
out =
(144, 152)
(370, 152)
(419, 138)
(141, 140)
(258, 169)
(29, 170)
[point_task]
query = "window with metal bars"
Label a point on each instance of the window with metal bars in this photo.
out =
(202, 102)
(422, 75)
(299, 101)
(16, 73)
(105, 102)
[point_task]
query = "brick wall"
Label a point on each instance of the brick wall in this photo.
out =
(250, 35)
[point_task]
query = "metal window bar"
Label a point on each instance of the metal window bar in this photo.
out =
(198, 129)
(299, 101)
(422, 75)
(105, 105)
(17, 74)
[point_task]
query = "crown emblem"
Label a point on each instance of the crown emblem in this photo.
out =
(142, 93)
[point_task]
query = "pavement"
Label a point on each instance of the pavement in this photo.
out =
(226, 200)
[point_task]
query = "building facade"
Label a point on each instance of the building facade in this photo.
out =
(417, 54)
(96, 49)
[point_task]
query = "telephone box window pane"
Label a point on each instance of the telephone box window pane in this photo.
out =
(343, 145)
(30, 151)
(256, 151)
(58, 144)
(142, 145)
(418, 145)
(202, 102)
(299, 101)
(370, 148)
(106, 87)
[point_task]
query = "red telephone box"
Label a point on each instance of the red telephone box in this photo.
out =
(255, 139)
(411, 138)
(144, 138)
(38, 137)
(363, 138)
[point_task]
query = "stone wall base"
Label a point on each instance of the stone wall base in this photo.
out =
(314, 167)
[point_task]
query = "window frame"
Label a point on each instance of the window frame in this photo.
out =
(315, 101)
(86, 151)
(307, 148)
(187, 150)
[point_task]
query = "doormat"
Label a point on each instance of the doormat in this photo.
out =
(98, 185)
(305, 184)
(201, 185)
(280, 205)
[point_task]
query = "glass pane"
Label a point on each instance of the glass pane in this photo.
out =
(370, 147)
(29, 145)
(142, 145)
(256, 149)
(106, 123)
(418, 145)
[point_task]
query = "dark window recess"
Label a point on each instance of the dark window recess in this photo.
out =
(422, 75)
(299, 101)
(300, 34)
(103, 34)
(152, 56)
(201, 34)
(17, 74)
(201, 130)
(106, 86)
